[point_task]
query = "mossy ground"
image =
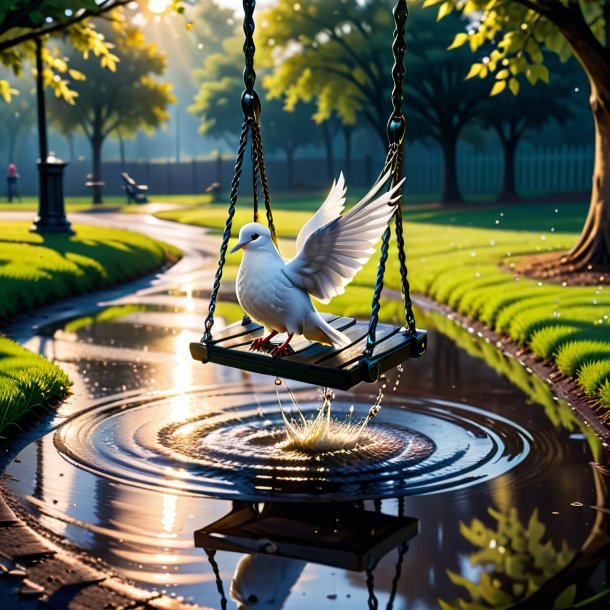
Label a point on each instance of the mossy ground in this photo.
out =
(466, 258)
(37, 270)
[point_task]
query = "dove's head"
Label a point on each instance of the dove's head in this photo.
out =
(253, 236)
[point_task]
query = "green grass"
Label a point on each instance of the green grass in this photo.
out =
(469, 268)
(37, 270)
(28, 383)
(83, 203)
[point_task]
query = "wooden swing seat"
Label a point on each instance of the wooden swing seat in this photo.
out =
(322, 365)
(341, 536)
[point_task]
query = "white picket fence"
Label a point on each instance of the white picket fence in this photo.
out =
(539, 171)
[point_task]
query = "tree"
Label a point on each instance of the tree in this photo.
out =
(17, 118)
(123, 101)
(22, 22)
(288, 131)
(439, 102)
(336, 53)
(517, 30)
(221, 84)
(340, 55)
(530, 110)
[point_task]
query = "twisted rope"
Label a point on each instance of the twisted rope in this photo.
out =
(257, 147)
(402, 257)
(243, 140)
(373, 602)
(254, 184)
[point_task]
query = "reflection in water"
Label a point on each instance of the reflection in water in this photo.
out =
(281, 538)
(145, 531)
(262, 581)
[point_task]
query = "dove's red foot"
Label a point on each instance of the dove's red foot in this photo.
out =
(278, 352)
(258, 344)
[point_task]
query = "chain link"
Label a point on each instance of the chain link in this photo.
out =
(394, 160)
(249, 48)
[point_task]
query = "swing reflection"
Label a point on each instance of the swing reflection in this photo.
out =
(279, 539)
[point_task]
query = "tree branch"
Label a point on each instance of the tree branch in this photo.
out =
(13, 21)
(61, 26)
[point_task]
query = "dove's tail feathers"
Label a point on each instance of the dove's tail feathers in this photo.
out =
(316, 329)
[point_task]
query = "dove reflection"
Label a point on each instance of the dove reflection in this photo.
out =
(262, 581)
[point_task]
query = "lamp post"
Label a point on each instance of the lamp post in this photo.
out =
(51, 216)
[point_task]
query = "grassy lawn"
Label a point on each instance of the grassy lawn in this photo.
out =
(115, 202)
(37, 270)
(463, 258)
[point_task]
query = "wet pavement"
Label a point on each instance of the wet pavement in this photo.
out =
(471, 489)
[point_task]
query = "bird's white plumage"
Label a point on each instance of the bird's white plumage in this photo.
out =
(329, 210)
(333, 254)
(331, 249)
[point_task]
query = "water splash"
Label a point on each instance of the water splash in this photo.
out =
(324, 433)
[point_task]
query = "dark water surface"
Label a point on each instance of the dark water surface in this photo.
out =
(497, 489)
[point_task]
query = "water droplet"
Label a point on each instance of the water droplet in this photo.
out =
(278, 381)
(576, 504)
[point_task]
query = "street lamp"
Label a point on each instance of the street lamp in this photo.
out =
(51, 216)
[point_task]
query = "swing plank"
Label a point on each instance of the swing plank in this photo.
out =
(338, 535)
(322, 365)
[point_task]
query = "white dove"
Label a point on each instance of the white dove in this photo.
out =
(331, 249)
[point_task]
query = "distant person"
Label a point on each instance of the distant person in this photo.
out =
(12, 177)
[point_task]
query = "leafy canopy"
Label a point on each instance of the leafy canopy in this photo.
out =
(509, 36)
(337, 54)
(128, 99)
(22, 22)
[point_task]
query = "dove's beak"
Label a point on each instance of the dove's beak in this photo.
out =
(240, 246)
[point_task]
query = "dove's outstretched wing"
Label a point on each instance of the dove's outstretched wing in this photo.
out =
(329, 210)
(333, 254)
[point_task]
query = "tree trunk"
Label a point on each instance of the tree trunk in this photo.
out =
(451, 189)
(290, 166)
(593, 245)
(97, 141)
(12, 143)
(328, 148)
(347, 161)
(122, 153)
(509, 187)
(70, 139)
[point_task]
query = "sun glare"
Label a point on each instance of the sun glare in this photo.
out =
(158, 6)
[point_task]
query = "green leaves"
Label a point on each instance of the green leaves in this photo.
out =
(515, 560)
(519, 37)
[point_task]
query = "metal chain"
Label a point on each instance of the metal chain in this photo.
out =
(243, 141)
(249, 48)
(211, 553)
(257, 146)
(396, 131)
(399, 48)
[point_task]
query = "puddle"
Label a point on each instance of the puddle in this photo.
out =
(475, 467)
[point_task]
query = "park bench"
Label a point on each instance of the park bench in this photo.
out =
(136, 192)
(214, 191)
